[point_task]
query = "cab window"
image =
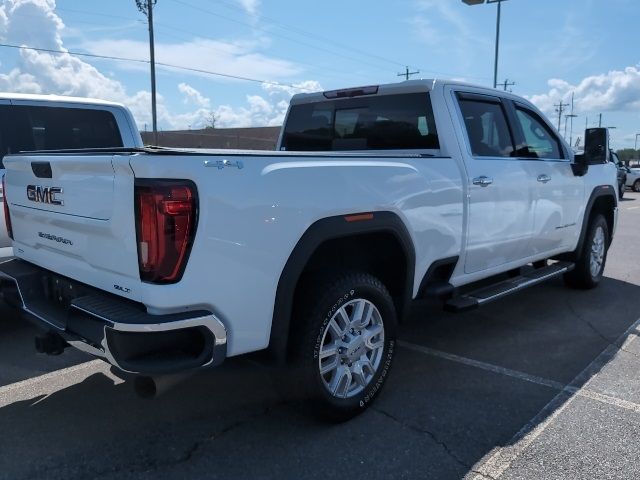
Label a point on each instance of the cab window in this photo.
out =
(385, 122)
(539, 140)
(487, 129)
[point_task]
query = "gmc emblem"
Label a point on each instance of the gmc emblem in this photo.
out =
(40, 194)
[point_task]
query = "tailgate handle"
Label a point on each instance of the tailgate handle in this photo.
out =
(41, 169)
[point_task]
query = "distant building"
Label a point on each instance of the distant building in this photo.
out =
(257, 138)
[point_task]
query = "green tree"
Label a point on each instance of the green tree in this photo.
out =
(627, 154)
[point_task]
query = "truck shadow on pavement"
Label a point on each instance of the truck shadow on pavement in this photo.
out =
(436, 418)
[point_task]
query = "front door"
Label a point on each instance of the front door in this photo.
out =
(558, 193)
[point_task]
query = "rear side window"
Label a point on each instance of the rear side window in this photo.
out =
(365, 123)
(57, 128)
(540, 142)
(487, 128)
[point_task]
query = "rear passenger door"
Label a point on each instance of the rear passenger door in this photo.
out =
(558, 193)
(500, 218)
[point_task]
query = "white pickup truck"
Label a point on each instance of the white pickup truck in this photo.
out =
(164, 261)
(39, 122)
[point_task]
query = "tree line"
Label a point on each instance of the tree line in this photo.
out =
(627, 154)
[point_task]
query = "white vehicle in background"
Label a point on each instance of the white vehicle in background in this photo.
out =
(633, 179)
(52, 122)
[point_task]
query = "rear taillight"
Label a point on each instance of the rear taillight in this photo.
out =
(7, 216)
(166, 217)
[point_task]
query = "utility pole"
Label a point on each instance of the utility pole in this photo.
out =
(571, 116)
(506, 84)
(560, 108)
(146, 7)
(407, 73)
(600, 121)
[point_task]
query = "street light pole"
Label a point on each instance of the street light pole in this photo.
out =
(495, 62)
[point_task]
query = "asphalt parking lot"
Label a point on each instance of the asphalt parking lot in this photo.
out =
(543, 384)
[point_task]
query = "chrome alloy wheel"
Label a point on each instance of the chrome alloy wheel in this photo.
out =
(351, 348)
(597, 252)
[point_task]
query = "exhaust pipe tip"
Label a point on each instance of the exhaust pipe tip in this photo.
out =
(145, 387)
(151, 387)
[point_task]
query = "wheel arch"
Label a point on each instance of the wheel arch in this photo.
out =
(604, 200)
(329, 233)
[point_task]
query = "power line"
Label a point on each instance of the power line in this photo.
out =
(264, 30)
(323, 68)
(305, 33)
(78, 54)
(163, 26)
(163, 64)
(191, 32)
(288, 27)
(281, 25)
(296, 41)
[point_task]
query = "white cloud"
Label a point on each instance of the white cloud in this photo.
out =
(617, 90)
(261, 111)
(193, 95)
(232, 58)
(35, 23)
(250, 6)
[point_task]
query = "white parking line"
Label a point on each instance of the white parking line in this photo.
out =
(545, 382)
(632, 208)
(482, 365)
(496, 462)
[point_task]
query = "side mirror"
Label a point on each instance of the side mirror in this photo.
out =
(596, 150)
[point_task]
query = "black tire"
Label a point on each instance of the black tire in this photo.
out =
(636, 186)
(582, 276)
(312, 316)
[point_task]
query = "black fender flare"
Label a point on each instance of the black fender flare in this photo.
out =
(332, 228)
(598, 192)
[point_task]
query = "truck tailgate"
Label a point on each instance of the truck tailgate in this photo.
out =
(73, 214)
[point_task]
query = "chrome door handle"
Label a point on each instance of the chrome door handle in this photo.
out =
(483, 181)
(544, 178)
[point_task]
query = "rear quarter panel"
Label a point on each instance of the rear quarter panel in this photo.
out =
(250, 220)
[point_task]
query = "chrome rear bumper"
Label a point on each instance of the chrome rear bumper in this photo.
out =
(113, 328)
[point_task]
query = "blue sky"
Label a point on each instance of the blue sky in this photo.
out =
(549, 48)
